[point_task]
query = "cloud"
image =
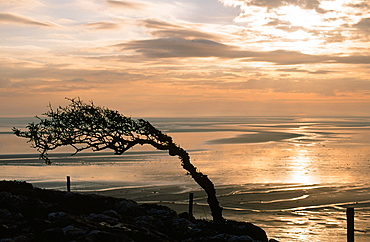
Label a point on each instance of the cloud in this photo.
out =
(57, 74)
(11, 18)
(283, 25)
(288, 86)
(164, 29)
(320, 23)
(45, 86)
(332, 36)
(292, 70)
(179, 47)
(332, 87)
(354, 59)
(103, 25)
(22, 5)
(77, 80)
(284, 57)
(320, 72)
(272, 4)
(362, 5)
(188, 48)
(127, 4)
(363, 25)
(305, 71)
(5, 82)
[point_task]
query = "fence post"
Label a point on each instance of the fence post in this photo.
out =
(68, 183)
(191, 198)
(350, 212)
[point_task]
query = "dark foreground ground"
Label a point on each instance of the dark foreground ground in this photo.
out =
(34, 214)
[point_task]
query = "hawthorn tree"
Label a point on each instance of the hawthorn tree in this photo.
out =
(87, 126)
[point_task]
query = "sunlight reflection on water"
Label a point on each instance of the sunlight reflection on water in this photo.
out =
(291, 185)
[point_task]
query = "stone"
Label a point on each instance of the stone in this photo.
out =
(33, 214)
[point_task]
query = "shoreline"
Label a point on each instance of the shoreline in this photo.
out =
(287, 213)
(281, 209)
(70, 216)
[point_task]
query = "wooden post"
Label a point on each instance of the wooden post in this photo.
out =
(350, 212)
(191, 198)
(68, 183)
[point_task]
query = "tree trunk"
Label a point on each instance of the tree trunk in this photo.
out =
(202, 180)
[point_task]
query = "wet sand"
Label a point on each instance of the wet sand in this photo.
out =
(287, 212)
(263, 197)
(290, 176)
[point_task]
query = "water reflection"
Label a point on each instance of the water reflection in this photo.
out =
(302, 170)
(292, 185)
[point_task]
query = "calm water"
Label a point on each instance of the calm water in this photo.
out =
(292, 176)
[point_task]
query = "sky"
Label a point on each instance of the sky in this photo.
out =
(162, 58)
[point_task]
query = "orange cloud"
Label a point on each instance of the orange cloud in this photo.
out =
(12, 18)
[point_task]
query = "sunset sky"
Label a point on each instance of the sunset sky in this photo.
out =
(188, 57)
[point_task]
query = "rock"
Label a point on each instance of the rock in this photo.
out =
(6, 216)
(102, 218)
(57, 215)
(52, 234)
(20, 238)
(128, 207)
(161, 212)
(182, 224)
(224, 237)
(97, 235)
(72, 232)
(112, 213)
(150, 222)
(242, 228)
(33, 214)
(12, 223)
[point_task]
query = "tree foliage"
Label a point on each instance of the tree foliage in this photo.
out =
(87, 126)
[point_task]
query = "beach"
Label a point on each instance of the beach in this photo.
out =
(292, 177)
(288, 213)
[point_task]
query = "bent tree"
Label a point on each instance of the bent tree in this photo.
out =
(87, 126)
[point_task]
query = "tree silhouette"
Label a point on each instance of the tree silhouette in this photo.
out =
(86, 126)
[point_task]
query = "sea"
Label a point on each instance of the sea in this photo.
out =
(295, 177)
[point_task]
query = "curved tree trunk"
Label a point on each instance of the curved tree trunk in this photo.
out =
(199, 177)
(84, 126)
(202, 180)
